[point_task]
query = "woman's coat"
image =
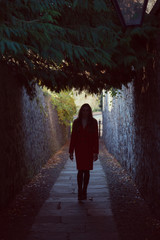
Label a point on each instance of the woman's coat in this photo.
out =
(85, 142)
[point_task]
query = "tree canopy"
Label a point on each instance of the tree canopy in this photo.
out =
(75, 43)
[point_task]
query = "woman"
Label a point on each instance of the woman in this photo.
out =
(84, 141)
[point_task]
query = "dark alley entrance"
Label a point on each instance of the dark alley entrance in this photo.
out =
(55, 57)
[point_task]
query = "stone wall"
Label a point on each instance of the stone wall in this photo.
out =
(29, 134)
(119, 127)
(131, 125)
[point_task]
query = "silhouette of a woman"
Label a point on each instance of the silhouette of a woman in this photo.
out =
(85, 143)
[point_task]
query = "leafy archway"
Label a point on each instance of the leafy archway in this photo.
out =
(74, 43)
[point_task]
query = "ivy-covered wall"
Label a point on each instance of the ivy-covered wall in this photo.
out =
(132, 133)
(29, 134)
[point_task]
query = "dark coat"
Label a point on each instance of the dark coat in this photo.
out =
(85, 142)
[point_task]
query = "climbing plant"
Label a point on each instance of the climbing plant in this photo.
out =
(75, 43)
(64, 103)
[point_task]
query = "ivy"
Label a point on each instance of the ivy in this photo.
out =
(65, 105)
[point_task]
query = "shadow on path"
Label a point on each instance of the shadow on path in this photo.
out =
(47, 208)
(64, 217)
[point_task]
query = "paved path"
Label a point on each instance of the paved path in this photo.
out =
(62, 217)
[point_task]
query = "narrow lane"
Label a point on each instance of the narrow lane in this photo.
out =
(63, 217)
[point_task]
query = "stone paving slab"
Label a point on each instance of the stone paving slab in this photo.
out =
(63, 217)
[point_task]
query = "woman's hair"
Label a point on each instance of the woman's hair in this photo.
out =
(81, 109)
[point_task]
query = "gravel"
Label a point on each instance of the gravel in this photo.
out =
(18, 217)
(132, 215)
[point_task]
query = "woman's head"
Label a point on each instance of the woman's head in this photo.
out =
(85, 111)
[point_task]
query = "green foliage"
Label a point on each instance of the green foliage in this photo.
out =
(75, 43)
(65, 105)
(114, 92)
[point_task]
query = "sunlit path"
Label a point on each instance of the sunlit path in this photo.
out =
(63, 217)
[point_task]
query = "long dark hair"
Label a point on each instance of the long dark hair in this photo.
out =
(90, 112)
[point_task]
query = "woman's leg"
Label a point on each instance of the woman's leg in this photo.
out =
(80, 182)
(86, 181)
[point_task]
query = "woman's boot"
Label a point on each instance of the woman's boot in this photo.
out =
(85, 185)
(80, 182)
